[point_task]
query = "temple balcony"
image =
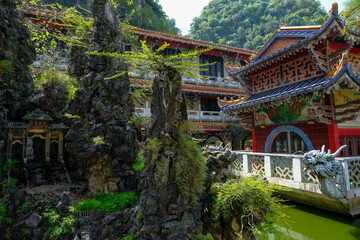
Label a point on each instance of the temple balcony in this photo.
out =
(289, 171)
(196, 116)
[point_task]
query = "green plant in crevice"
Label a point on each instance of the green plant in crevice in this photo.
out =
(139, 164)
(64, 81)
(153, 146)
(6, 69)
(106, 202)
(4, 219)
(24, 207)
(99, 140)
(190, 166)
(26, 231)
(250, 201)
(9, 183)
(203, 237)
(58, 225)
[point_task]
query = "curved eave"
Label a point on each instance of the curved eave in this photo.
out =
(334, 17)
(295, 89)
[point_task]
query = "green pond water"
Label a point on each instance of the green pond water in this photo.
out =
(308, 223)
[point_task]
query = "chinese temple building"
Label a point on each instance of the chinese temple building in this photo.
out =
(302, 90)
(201, 93)
(35, 140)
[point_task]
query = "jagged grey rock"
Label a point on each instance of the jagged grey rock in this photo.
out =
(105, 108)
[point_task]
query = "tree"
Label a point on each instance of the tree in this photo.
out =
(237, 134)
(351, 14)
(249, 23)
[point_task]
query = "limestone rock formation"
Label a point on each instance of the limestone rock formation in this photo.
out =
(167, 213)
(102, 141)
(16, 54)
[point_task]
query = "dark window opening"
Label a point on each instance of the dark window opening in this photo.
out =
(214, 70)
(209, 104)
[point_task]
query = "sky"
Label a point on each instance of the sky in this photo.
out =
(183, 11)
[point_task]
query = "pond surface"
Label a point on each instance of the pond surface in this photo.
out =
(308, 223)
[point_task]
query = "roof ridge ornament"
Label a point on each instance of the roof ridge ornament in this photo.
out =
(232, 101)
(336, 68)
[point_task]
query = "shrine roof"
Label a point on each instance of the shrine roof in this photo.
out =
(308, 33)
(57, 126)
(17, 125)
(299, 88)
(37, 115)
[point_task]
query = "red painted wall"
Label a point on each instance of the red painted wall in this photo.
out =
(317, 133)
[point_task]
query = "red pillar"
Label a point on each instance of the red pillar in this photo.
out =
(333, 133)
(253, 140)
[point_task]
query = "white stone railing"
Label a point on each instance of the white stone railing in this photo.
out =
(196, 116)
(205, 81)
(291, 167)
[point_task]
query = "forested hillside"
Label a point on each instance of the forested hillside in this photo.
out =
(147, 14)
(249, 23)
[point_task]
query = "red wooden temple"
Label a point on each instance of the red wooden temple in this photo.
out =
(302, 90)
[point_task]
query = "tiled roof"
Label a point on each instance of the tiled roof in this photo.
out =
(17, 125)
(316, 33)
(284, 34)
(37, 115)
(303, 87)
(195, 42)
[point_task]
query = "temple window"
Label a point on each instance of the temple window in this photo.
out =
(209, 104)
(214, 70)
(288, 142)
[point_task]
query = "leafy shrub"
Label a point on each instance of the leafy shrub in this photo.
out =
(204, 237)
(106, 202)
(63, 80)
(24, 207)
(99, 140)
(3, 218)
(190, 166)
(58, 225)
(252, 198)
(139, 164)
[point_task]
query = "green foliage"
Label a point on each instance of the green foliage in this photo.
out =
(236, 134)
(351, 14)
(130, 236)
(204, 237)
(58, 225)
(8, 185)
(153, 62)
(138, 215)
(153, 147)
(99, 140)
(106, 202)
(139, 164)
(6, 69)
(3, 218)
(24, 207)
(248, 24)
(67, 115)
(138, 121)
(70, 84)
(252, 199)
(26, 231)
(190, 166)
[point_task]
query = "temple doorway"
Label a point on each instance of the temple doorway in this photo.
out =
(39, 149)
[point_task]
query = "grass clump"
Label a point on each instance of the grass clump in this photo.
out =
(6, 69)
(139, 164)
(190, 166)
(106, 202)
(250, 201)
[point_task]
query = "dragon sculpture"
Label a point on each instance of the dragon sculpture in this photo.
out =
(328, 171)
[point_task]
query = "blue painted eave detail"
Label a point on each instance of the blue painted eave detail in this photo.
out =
(303, 87)
(334, 17)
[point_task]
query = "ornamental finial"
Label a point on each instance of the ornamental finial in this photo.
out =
(335, 7)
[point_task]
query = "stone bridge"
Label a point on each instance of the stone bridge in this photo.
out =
(289, 171)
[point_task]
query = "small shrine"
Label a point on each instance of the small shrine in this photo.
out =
(302, 90)
(36, 139)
